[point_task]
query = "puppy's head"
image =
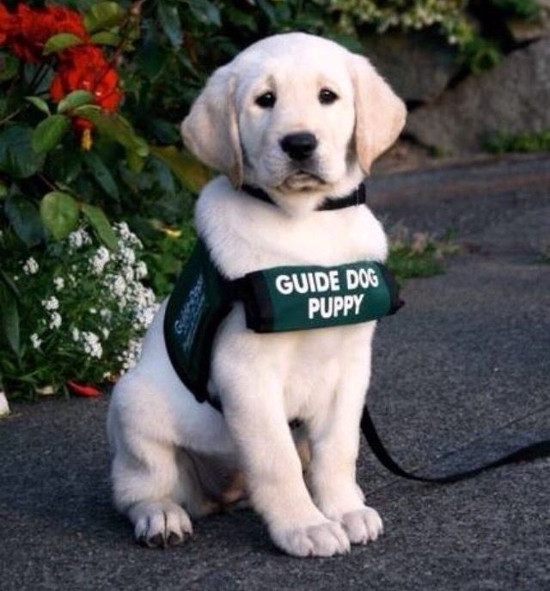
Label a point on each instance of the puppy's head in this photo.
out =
(294, 113)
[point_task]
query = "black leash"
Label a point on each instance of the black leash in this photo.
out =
(528, 453)
(535, 451)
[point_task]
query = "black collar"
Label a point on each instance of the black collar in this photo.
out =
(357, 197)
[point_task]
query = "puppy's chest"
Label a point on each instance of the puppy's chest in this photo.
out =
(255, 239)
(321, 362)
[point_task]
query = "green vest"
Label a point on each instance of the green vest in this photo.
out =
(278, 299)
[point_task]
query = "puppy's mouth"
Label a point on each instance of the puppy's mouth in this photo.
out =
(301, 180)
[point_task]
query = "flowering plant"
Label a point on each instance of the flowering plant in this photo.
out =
(65, 64)
(85, 310)
(71, 158)
(57, 36)
(26, 30)
(448, 16)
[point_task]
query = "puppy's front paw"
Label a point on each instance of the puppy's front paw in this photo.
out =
(363, 525)
(159, 524)
(325, 539)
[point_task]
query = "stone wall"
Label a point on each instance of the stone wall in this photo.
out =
(456, 117)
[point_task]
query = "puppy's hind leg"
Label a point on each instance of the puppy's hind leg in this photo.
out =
(150, 477)
(148, 491)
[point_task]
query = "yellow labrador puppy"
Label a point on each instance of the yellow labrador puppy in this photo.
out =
(300, 119)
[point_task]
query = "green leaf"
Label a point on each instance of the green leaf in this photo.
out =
(103, 16)
(165, 182)
(170, 21)
(241, 19)
(25, 219)
(134, 161)
(106, 38)
(61, 41)
(152, 58)
(17, 158)
(10, 283)
(64, 165)
(101, 225)
(9, 318)
(39, 103)
(191, 173)
(59, 213)
(9, 65)
(75, 99)
(49, 132)
(115, 127)
(268, 10)
(164, 131)
(3, 190)
(205, 12)
(102, 174)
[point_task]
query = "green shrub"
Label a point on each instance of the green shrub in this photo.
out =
(480, 54)
(520, 8)
(447, 16)
(73, 155)
(417, 254)
(75, 311)
(501, 142)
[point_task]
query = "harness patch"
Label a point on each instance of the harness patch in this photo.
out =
(278, 299)
(200, 301)
(302, 298)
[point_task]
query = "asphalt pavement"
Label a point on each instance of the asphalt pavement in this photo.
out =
(461, 376)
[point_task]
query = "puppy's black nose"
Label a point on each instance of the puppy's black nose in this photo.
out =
(299, 146)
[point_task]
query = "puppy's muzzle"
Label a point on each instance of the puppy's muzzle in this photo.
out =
(299, 146)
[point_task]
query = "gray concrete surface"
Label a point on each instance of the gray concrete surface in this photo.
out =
(461, 375)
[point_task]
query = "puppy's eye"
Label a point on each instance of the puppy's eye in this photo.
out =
(327, 96)
(266, 100)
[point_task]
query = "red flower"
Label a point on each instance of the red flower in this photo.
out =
(27, 30)
(6, 24)
(79, 67)
(86, 390)
(84, 67)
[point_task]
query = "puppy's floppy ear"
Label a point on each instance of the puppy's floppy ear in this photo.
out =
(211, 130)
(379, 113)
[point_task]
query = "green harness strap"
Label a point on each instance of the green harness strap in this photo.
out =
(278, 299)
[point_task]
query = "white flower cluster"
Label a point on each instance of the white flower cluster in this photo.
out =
(51, 305)
(128, 237)
(130, 356)
(30, 267)
(93, 297)
(448, 15)
(132, 296)
(120, 273)
(99, 260)
(36, 341)
(92, 344)
(79, 238)
(55, 320)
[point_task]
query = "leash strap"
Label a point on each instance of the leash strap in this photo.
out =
(535, 451)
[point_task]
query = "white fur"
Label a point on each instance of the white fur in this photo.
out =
(174, 457)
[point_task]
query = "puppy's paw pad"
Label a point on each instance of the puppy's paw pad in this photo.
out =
(325, 539)
(159, 525)
(363, 525)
